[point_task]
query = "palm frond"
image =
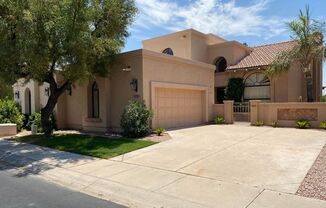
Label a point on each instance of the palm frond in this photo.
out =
(281, 64)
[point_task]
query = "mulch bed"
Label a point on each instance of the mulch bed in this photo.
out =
(314, 184)
(155, 138)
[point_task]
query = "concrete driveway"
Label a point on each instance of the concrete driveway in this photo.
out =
(227, 166)
(230, 164)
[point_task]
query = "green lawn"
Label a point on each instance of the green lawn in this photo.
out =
(95, 146)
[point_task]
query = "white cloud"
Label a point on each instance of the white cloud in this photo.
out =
(209, 16)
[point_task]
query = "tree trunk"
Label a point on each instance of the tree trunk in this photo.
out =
(46, 113)
(309, 86)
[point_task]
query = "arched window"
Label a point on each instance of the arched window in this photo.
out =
(257, 86)
(95, 101)
(168, 51)
(220, 64)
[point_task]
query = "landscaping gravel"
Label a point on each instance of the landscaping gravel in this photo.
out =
(314, 184)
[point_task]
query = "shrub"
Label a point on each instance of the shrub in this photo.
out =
(36, 119)
(159, 131)
(323, 98)
(219, 120)
(136, 120)
(323, 125)
(259, 123)
(235, 89)
(274, 124)
(10, 113)
(302, 124)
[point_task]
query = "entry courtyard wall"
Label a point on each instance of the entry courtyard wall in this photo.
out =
(286, 114)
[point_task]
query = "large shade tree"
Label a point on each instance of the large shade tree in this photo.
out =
(74, 38)
(309, 47)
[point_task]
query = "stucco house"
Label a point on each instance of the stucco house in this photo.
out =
(180, 76)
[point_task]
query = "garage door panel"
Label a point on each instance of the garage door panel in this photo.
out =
(178, 107)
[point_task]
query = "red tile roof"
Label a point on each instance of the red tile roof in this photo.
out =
(262, 55)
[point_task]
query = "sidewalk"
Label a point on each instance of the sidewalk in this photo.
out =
(140, 186)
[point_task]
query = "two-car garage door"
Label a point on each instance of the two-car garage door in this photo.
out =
(178, 107)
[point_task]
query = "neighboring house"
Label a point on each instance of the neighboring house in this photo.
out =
(179, 76)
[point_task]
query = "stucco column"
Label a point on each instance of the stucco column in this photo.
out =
(228, 111)
(254, 115)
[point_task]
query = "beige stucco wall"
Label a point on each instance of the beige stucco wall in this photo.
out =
(267, 112)
(199, 47)
(115, 92)
(121, 91)
(218, 110)
(177, 71)
(189, 44)
(22, 86)
(232, 51)
(8, 129)
(179, 42)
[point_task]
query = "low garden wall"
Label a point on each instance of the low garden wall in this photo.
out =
(218, 110)
(224, 110)
(286, 114)
(8, 130)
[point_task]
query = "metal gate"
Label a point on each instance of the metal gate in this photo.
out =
(241, 111)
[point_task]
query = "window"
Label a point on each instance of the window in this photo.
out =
(220, 64)
(168, 51)
(95, 101)
(219, 95)
(257, 86)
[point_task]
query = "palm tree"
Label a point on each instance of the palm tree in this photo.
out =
(308, 34)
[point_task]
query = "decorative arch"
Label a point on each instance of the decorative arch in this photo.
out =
(168, 51)
(28, 101)
(220, 64)
(95, 101)
(257, 87)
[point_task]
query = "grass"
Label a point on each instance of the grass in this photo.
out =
(95, 146)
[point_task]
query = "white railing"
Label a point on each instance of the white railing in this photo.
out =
(241, 107)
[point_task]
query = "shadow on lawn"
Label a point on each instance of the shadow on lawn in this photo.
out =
(26, 159)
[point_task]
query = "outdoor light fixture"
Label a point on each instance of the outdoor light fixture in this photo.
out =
(127, 69)
(17, 94)
(47, 91)
(134, 85)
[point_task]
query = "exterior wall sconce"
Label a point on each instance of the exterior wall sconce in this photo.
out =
(69, 90)
(134, 85)
(47, 91)
(127, 69)
(17, 95)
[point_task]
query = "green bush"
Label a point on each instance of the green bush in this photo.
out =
(259, 123)
(323, 125)
(235, 89)
(219, 120)
(302, 124)
(159, 131)
(10, 113)
(274, 124)
(323, 98)
(36, 119)
(136, 120)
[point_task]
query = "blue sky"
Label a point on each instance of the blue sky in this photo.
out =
(255, 22)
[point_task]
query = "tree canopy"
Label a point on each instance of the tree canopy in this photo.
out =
(77, 38)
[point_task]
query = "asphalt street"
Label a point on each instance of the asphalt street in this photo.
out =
(34, 192)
